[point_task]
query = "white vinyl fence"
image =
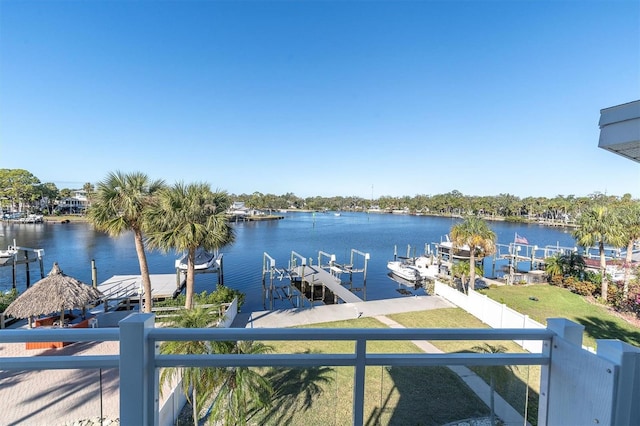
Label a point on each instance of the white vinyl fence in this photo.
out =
(490, 312)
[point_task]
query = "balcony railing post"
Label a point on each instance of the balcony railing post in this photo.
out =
(138, 375)
(358, 382)
(626, 409)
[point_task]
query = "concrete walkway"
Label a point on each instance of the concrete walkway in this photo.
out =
(338, 312)
(378, 309)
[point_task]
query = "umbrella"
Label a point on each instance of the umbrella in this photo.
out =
(54, 293)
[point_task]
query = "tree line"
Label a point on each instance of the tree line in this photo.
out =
(20, 190)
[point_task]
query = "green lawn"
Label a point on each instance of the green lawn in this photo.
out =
(518, 386)
(556, 302)
(393, 396)
(429, 395)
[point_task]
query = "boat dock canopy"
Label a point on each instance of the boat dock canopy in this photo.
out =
(620, 130)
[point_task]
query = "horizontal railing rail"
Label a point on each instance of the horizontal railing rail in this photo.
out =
(144, 341)
(349, 334)
(59, 362)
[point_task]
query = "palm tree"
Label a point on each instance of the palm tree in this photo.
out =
(195, 381)
(497, 373)
(187, 217)
(243, 390)
(481, 240)
(461, 269)
(554, 265)
(630, 218)
(118, 206)
(574, 264)
(599, 225)
(562, 265)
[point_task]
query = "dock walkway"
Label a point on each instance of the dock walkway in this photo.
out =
(315, 275)
(120, 288)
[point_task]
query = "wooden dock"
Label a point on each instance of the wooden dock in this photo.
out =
(314, 275)
(128, 288)
(303, 280)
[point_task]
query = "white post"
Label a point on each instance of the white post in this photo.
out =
(138, 375)
(358, 382)
(626, 409)
(569, 331)
(579, 387)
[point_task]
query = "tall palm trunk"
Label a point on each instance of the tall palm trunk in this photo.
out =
(603, 272)
(472, 269)
(627, 269)
(194, 407)
(144, 271)
(188, 303)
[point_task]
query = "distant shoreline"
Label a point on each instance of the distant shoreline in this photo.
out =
(550, 223)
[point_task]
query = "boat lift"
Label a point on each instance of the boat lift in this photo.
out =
(327, 273)
(216, 268)
(271, 291)
(23, 256)
(533, 254)
(338, 269)
(427, 252)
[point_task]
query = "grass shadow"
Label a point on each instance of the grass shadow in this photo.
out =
(599, 328)
(428, 396)
(297, 389)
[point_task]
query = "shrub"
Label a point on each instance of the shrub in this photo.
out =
(7, 298)
(584, 288)
(556, 280)
(220, 295)
(515, 219)
(569, 282)
(593, 277)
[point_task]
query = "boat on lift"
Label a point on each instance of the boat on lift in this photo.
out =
(404, 270)
(10, 251)
(203, 260)
(413, 269)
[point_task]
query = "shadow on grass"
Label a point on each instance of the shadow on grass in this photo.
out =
(516, 392)
(606, 329)
(296, 389)
(427, 396)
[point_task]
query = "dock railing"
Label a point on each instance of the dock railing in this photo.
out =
(572, 380)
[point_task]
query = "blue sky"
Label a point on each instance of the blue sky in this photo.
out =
(364, 98)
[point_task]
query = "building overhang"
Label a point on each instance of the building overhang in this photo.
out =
(620, 130)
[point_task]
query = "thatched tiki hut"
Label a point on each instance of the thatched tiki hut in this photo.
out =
(54, 293)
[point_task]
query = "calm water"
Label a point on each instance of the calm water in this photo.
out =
(74, 245)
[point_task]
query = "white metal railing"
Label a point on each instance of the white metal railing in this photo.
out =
(139, 362)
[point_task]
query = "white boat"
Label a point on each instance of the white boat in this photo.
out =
(8, 253)
(403, 270)
(203, 260)
(414, 269)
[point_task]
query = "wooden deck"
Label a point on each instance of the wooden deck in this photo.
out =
(120, 288)
(315, 275)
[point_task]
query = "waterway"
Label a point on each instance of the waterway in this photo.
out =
(75, 245)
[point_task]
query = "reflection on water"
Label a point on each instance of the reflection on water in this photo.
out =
(74, 245)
